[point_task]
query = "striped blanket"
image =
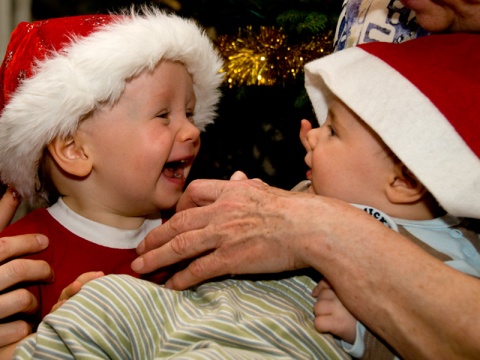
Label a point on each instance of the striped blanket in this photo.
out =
(120, 317)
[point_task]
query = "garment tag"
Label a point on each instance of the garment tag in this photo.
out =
(379, 215)
(302, 186)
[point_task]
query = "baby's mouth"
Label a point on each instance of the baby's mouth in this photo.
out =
(175, 169)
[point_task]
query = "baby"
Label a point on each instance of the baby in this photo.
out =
(101, 119)
(395, 141)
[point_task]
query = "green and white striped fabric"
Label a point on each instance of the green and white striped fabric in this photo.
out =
(120, 317)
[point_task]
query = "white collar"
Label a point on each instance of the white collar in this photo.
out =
(99, 233)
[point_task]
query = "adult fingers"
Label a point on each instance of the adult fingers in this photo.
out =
(193, 213)
(200, 193)
(21, 270)
(11, 333)
(182, 279)
(238, 175)
(176, 227)
(176, 240)
(194, 231)
(232, 236)
(199, 270)
(17, 301)
(13, 246)
(204, 192)
(8, 206)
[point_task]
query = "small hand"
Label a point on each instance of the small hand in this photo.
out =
(75, 287)
(331, 315)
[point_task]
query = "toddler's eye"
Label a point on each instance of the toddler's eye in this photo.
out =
(190, 116)
(164, 117)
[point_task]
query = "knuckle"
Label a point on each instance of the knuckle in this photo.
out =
(21, 330)
(179, 244)
(23, 300)
(194, 185)
(208, 266)
(197, 268)
(17, 270)
(177, 222)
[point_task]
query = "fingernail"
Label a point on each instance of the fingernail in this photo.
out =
(137, 264)
(42, 240)
(15, 193)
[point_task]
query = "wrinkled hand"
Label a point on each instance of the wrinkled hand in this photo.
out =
(229, 227)
(331, 316)
(16, 271)
(75, 287)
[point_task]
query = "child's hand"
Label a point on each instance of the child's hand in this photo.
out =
(331, 315)
(75, 287)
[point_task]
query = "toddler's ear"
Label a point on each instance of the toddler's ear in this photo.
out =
(70, 156)
(404, 188)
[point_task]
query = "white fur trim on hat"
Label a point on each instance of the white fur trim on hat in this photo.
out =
(94, 69)
(407, 121)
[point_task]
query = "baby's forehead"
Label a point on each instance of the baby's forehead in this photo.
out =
(340, 113)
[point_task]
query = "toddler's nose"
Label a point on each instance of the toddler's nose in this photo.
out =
(189, 132)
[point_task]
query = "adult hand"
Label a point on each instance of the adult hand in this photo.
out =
(242, 226)
(16, 271)
(8, 206)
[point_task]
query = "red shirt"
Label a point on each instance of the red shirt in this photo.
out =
(69, 256)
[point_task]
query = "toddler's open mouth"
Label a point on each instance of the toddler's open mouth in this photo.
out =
(175, 169)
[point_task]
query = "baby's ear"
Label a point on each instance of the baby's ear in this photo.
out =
(404, 188)
(70, 156)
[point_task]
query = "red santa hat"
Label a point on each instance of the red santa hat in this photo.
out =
(56, 71)
(423, 98)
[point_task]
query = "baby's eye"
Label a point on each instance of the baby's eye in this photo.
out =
(331, 130)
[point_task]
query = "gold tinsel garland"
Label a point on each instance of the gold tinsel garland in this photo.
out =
(265, 57)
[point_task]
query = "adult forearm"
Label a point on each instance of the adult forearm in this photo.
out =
(420, 306)
(403, 294)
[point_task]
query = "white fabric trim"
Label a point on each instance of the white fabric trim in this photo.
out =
(422, 137)
(99, 233)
